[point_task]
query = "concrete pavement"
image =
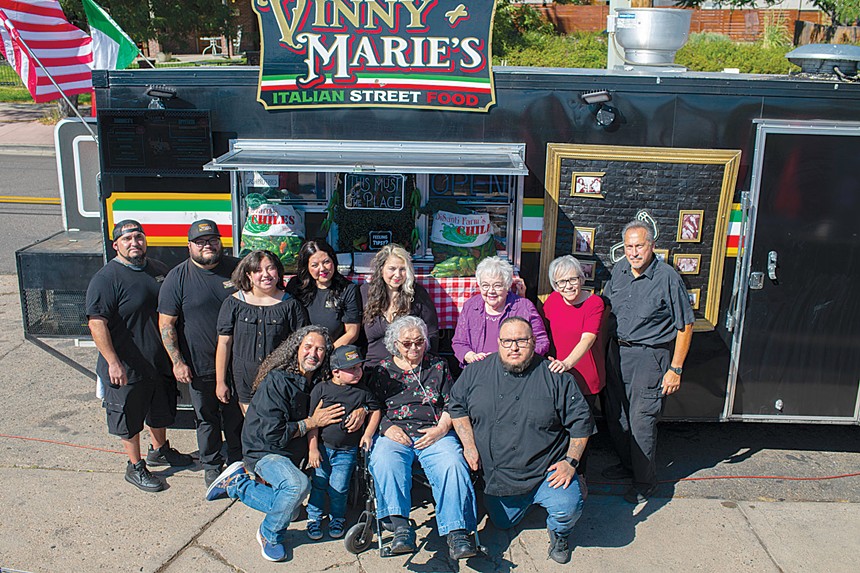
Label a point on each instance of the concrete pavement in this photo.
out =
(65, 506)
(22, 130)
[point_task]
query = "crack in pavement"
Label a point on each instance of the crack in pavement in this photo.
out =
(194, 538)
(760, 540)
(216, 556)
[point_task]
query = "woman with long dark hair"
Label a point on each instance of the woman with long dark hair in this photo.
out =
(330, 298)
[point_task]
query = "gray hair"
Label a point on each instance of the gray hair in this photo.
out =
(564, 265)
(637, 224)
(408, 322)
(495, 267)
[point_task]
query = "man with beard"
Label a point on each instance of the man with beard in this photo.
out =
(188, 306)
(132, 365)
(654, 327)
(273, 438)
(527, 427)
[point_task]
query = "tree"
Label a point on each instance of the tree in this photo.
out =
(841, 12)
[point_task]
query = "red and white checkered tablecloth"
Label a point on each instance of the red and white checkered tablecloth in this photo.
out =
(448, 294)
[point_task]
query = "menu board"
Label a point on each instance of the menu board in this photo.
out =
(154, 142)
(374, 191)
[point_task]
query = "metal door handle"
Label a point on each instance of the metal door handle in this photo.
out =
(771, 265)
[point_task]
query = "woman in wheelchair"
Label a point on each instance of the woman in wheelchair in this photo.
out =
(415, 386)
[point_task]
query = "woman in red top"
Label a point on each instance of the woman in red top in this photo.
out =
(574, 316)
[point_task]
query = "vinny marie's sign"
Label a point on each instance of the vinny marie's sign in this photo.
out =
(384, 53)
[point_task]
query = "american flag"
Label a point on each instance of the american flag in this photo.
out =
(64, 50)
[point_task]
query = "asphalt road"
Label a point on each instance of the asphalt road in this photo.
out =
(23, 224)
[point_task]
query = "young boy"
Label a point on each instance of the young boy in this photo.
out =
(334, 456)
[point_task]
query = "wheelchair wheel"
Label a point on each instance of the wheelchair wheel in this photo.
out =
(358, 537)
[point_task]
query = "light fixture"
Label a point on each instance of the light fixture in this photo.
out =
(605, 115)
(159, 94)
(601, 96)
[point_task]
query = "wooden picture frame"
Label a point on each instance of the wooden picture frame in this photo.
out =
(690, 224)
(588, 184)
(589, 269)
(583, 243)
(687, 264)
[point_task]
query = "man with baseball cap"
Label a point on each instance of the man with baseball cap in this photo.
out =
(132, 365)
(188, 308)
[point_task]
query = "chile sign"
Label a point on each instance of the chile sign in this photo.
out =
(426, 54)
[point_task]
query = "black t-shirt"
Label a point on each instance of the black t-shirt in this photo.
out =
(333, 314)
(522, 423)
(127, 298)
(352, 397)
(195, 296)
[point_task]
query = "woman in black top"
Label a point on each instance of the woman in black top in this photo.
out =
(331, 300)
(252, 323)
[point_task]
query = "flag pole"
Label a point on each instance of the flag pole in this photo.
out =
(56, 85)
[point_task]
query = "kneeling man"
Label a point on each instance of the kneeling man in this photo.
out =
(527, 427)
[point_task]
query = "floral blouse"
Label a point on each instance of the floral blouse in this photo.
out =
(409, 404)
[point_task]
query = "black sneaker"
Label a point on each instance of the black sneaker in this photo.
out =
(461, 545)
(404, 541)
(559, 548)
(167, 456)
(138, 475)
(211, 474)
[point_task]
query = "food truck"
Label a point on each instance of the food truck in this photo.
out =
(389, 124)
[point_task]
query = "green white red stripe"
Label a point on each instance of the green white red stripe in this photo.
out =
(166, 217)
(532, 231)
(112, 48)
(384, 81)
(733, 237)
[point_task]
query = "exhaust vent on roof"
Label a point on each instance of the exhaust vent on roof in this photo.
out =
(826, 59)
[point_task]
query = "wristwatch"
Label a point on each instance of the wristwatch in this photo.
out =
(676, 369)
(572, 461)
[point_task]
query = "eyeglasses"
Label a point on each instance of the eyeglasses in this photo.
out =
(212, 241)
(520, 342)
(564, 283)
(410, 343)
(494, 287)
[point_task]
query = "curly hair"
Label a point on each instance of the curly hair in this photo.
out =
(377, 295)
(251, 263)
(396, 328)
(303, 287)
(285, 356)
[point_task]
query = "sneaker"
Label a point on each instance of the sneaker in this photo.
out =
(314, 530)
(139, 476)
(618, 471)
(559, 548)
(404, 541)
(336, 527)
(636, 497)
(167, 456)
(211, 474)
(461, 545)
(271, 551)
(218, 488)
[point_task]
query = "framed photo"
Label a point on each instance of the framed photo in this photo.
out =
(583, 240)
(662, 254)
(695, 295)
(687, 264)
(690, 226)
(588, 185)
(589, 269)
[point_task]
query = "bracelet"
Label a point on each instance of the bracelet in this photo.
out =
(303, 428)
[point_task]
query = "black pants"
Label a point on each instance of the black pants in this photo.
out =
(213, 417)
(634, 403)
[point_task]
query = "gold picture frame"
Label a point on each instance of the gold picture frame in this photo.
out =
(729, 159)
(662, 254)
(695, 295)
(690, 224)
(687, 264)
(587, 184)
(589, 269)
(583, 240)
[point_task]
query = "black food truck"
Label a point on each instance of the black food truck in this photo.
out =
(388, 124)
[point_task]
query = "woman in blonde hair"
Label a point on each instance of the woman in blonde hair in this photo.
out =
(391, 293)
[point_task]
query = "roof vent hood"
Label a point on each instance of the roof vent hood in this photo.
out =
(650, 37)
(827, 59)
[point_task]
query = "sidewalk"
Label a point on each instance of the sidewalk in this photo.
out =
(66, 507)
(21, 132)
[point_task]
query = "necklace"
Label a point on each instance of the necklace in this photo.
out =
(428, 399)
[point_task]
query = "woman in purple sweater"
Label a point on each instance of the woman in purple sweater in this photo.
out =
(477, 332)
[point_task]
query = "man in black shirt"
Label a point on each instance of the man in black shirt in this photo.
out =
(132, 365)
(527, 427)
(188, 306)
(644, 363)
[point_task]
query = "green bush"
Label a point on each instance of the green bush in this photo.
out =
(709, 52)
(579, 50)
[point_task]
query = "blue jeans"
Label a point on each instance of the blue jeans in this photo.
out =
(331, 477)
(446, 470)
(563, 506)
(287, 488)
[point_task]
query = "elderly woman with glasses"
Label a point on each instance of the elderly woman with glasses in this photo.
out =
(414, 387)
(575, 316)
(477, 332)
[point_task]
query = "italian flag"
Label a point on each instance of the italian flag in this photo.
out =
(112, 48)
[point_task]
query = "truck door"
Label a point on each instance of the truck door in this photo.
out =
(796, 354)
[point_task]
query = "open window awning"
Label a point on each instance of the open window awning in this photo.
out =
(372, 156)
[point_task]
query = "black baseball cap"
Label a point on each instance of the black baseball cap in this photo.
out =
(345, 357)
(125, 227)
(203, 228)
